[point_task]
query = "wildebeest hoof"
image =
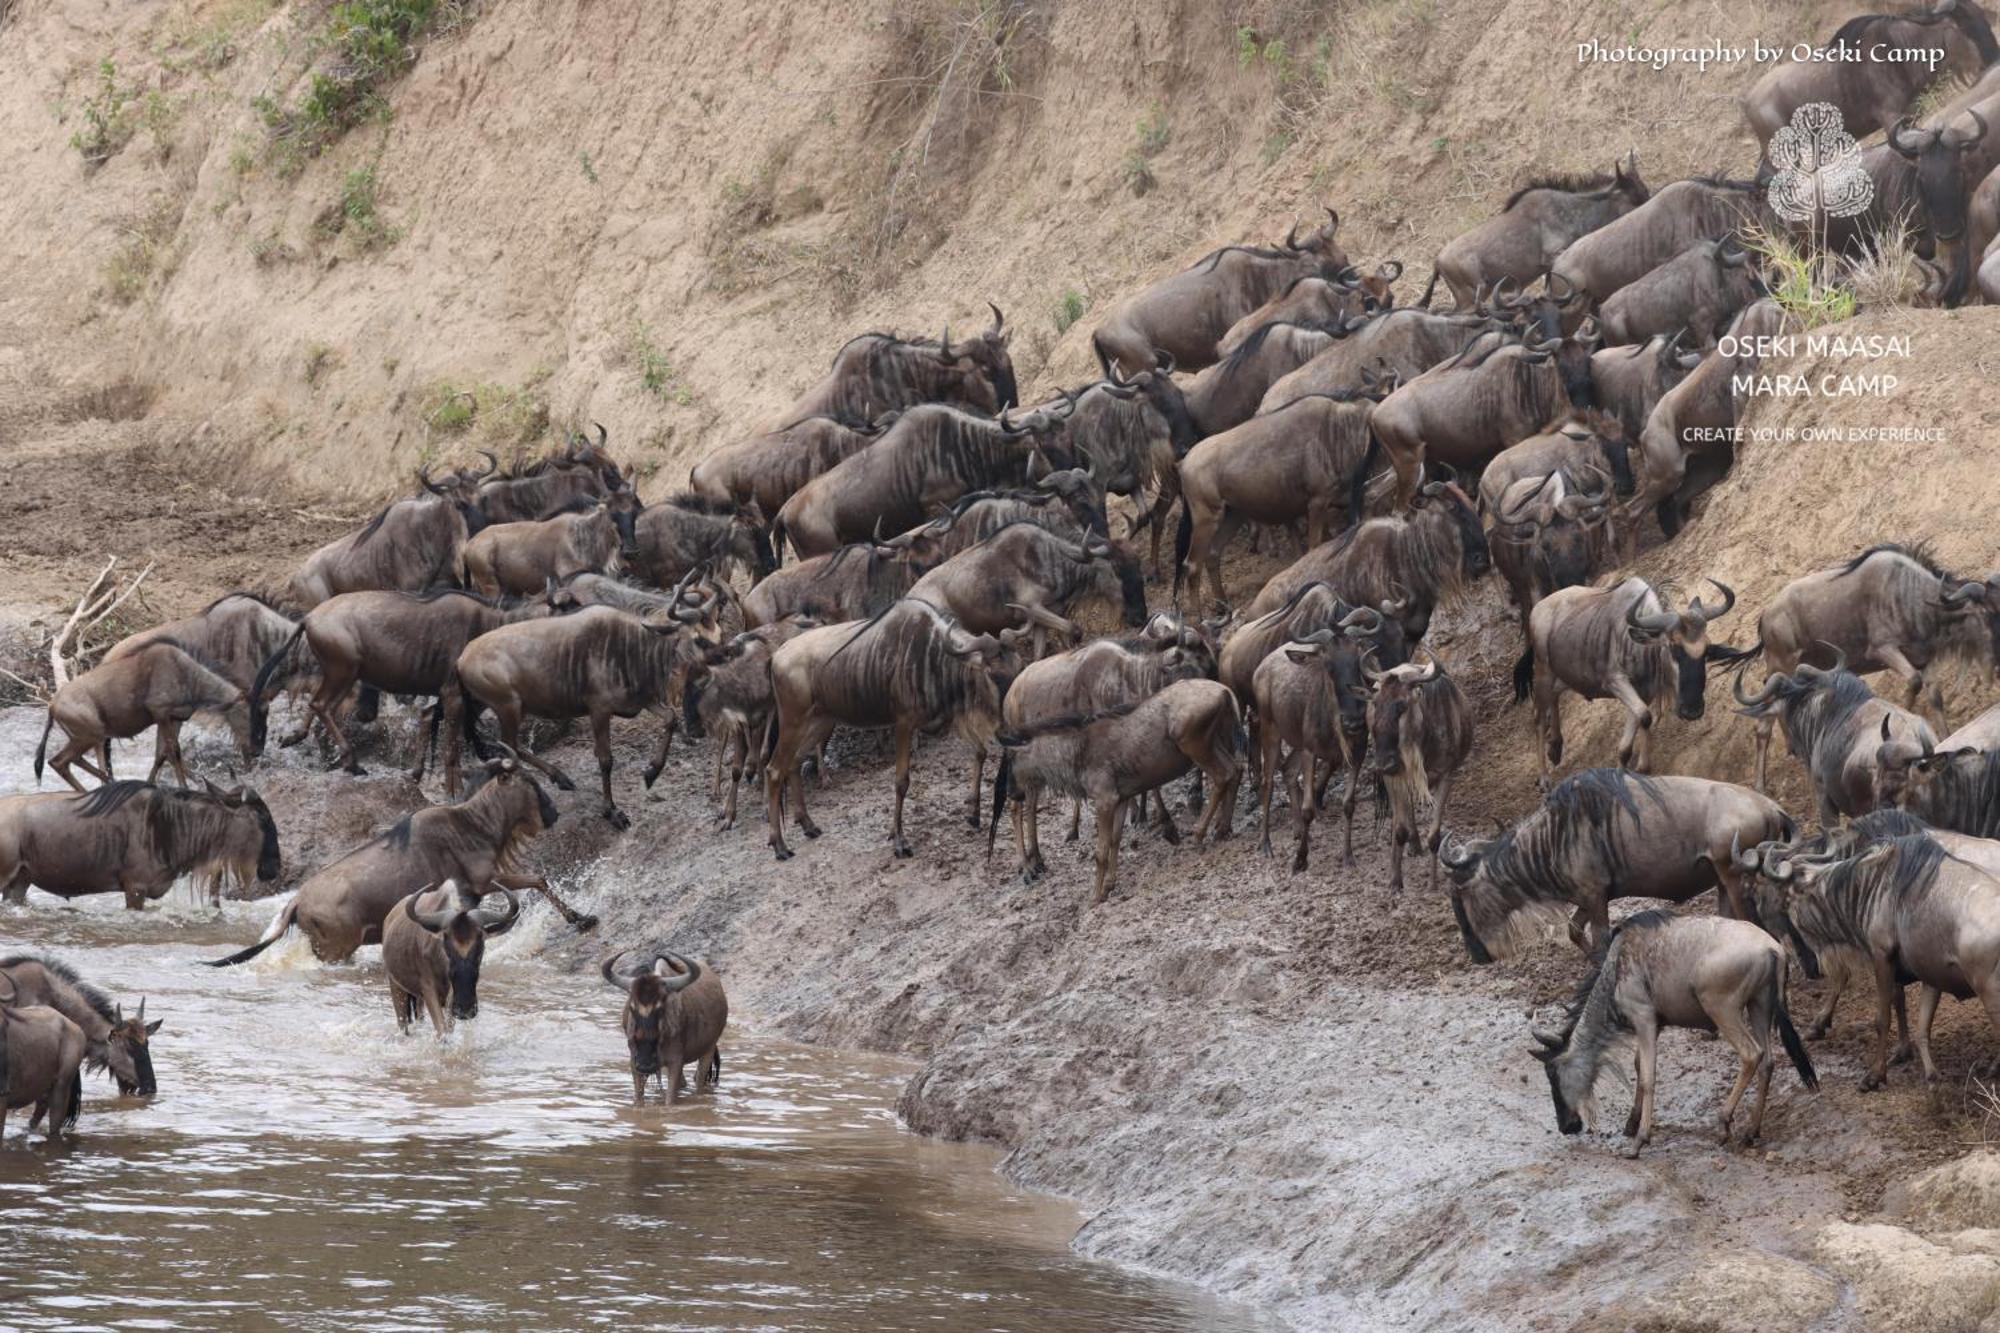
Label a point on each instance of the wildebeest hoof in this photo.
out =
(650, 776)
(1172, 833)
(810, 830)
(1632, 1124)
(1814, 1031)
(904, 853)
(1872, 1081)
(1903, 1054)
(585, 923)
(1631, 1149)
(972, 820)
(618, 819)
(782, 853)
(563, 783)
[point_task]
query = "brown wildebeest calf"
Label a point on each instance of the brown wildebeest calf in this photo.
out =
(675, 1013)
(160, 685)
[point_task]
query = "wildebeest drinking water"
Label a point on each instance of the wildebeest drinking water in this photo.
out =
(675, 1012)
(136, 839)
(118, 1045)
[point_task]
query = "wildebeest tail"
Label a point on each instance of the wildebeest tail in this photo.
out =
(258, 688)
(1735, 659)
(778, 539)
(42, 749)
(1429, 287)
(286, 919)
(75, 1104)
(691, 703)
(1103, 357)
(1788, 1034)
(1357, 491)
(1183, 542)
(1524, 673)
(1000, 781)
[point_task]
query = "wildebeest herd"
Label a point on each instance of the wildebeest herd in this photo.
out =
(907, 547)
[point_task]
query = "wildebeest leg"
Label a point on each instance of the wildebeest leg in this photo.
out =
(1836, 982)
(1647, 1033)
(739, 755)
(72, 753)
(325, 705)
(1347, 803)
(715, 778)
(435, 1010)
(1163, 503)
(1634, 744)
(169, 742)
(1110, 827)
(428, 724)
(1031, 816)
(670, 1074)
(972, 798)
(1753, 1058)
(600, 740)
(104, 759)
(1927, 1003)
(1223, 532)
(1885, 993)
(1075, 820)
(1548, 694)
(508, 717)
(1022, 804)
(524, 883)
(780, 772)
(639, 1088)
(1163, 819)
(669, 719)
(900, 845)
(399, 1008)
(1268, 746)
(1435, 838)
(1764, 727)
(1298, 786)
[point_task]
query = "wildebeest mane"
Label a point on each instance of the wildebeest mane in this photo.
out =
(1844, 895)
(700, 504)
(110, 797)
(1918, 551)
(1533, 858)
(1597, 184)
(1208, 261)
(256, 597)
(100, 1003)
(1066, 722)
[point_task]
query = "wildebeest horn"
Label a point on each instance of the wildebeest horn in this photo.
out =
(1652, 622)
(1390, 270)
(501, 923)
(1432, 672)
(1772, 684)
(602, 434)
(1703, 613)
(492, 465)
(424, 480)
(1729, 258)
(1550, 1041)
(431, 920)
(669, 982)
(1970, 590)
(1896, 132)
(1569, 293)
(622, 980)
(1361, 622)
(1499, 301)
(1453, 855)
(1975, 136)
(1332, 222)
(1292, 236)
(944, 347)
(1741, 859)
(998, 319)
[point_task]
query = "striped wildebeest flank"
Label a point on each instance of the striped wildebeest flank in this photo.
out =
(1622, 642)
(113, 1043)
(1837, 727)
(1068, 503)
(1187, 314)
(43, 1054)
(413, 544)
(767, 468)
(1659, 970)
(1951, 161)
(1421, 729)
(476, 842)
(1626, 249)
(683, 531)
(597, 662)
(852, 583)
(1536, 224)
(1630, 381)
(399, 643)
(1298, 462)
(728, 691)
(674, 1016)
(432, 944)
(520, 559)
(1316, 302)
(1697, 292)
(1025, 577)
(234, 635)
(1601, 834)
(911, 668)
(1228, 393)
(880, 372)
(162, 685)
(1912, 909)
(550, 485)
(136, 839)
(1113, 756)
(1550, 532)
(928, 459)
(1415, 559)
(1401, 343)
(1309, 705)
(1887, 66)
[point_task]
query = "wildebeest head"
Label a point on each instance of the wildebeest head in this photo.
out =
(1686, 635)
(583, 451)
(1940, 157)
(1389, 709)
(1080, 494)
(646, 991)
(1380, 285)
(1193, 646)
(1574, 1104)
(251, 826)
(1768, 871)
(461, 931)
(1320, 241)
(1156, 386)
(1445, 495)
(1343, 657)
(622, 506)
(461, 487)
(1557, 310)
(523, 802)
(1556, 527)
(1113, 563)
(1978, 595)
(987, 353)
(127, 1053)
(1462, 863)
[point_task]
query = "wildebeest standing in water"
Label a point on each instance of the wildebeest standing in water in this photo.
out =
(1112, 757)
(766, 469)
(432, 944)
(1421, 728)
(879, 372)
(675, 1013)
(911, 668)
(1659, 970)
(118, 1045)
(1605, 833)
(477, 842)
(1187, 314)
(411, 545)
(1537, 223)
(40, 1055)
(161, 686)
(135, 839)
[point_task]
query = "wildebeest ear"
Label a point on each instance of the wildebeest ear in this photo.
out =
(154, 1026)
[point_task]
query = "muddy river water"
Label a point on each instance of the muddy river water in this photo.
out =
(307, 1165)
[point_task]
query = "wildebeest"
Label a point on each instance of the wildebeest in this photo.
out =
(432, 944)
(766, 469)
(1955, 786)
(1658, 971)
(411, 545)
(879, 372)
(1309, 696)
(1413, 559)
(394, 642)
(1228, 393)
(1296, 462)
(851, 583)
(728, 691)
(1311, 301)
(911, 668)
(675, 1013)
(521, 558)
(1537, 223)
(597, 662)
(1697, 292)
(43, 1051)
(1601, 834)
(929, 458)
(1837, 727)
(118, 1045)
(1886, 66)
(1315, 606)
(233, 636)
(1026, 577)
(1067, 503)
(1394, 344)
(1989, 272)
(1951, 161)
(1187, 314)
(1623, 642)
(1704, 208)
(1912, 910)
(550, 485)
(1588, 447)
(1421, 728)
(161, 685)
(1630, 381)
(476, 842)
(1548, 533)
(679, 533)
(135, 839)
(1113, 756)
